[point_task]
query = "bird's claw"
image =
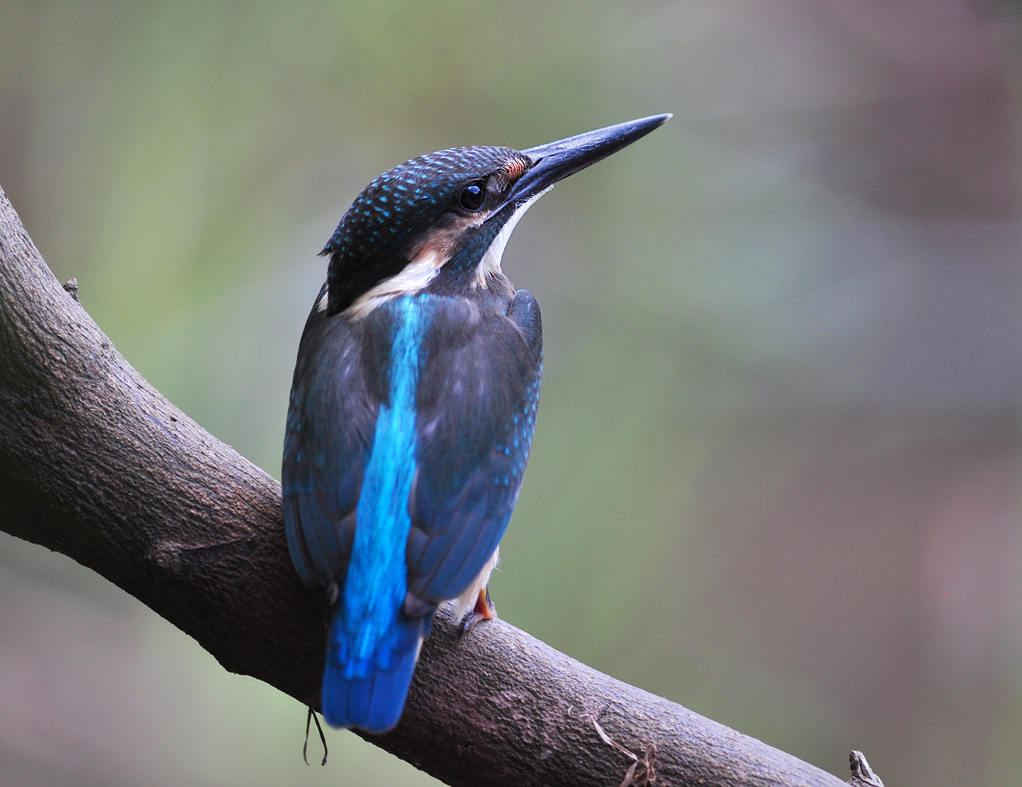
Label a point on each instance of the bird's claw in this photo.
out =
(483, 610)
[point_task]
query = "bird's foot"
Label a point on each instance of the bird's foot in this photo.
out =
(483, 610)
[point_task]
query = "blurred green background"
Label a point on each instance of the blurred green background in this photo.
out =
(775, 473)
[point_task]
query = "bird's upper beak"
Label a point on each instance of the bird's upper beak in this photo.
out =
(557, 160)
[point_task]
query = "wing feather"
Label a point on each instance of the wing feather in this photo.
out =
(477, 404)
(331, 418)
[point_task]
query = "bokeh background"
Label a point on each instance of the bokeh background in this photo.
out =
(775, 473)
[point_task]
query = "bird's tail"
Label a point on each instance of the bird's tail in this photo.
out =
(369, 693)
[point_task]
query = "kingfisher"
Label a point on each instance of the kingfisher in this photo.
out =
(413, 406)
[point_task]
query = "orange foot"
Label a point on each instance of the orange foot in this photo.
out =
(483, 610)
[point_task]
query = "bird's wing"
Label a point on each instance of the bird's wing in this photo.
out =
(476, 405)
(330, 424)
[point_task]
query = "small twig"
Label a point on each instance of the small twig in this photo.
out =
(648, 776)
(305, 749)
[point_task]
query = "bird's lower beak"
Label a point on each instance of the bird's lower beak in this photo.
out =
(557, 160)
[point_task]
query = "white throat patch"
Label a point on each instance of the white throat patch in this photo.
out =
(490, 262)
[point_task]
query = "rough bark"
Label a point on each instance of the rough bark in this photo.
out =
(96, 464)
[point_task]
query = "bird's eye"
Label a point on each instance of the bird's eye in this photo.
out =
(472, 196)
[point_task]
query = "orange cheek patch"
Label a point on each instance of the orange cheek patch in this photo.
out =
(437, 247)
(515, 168)
(439, 244)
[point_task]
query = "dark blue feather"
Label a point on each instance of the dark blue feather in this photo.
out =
(330, 426)
(477, 406)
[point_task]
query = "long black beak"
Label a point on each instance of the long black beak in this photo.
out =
(557, 160)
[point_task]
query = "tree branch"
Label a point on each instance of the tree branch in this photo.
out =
(96, 464)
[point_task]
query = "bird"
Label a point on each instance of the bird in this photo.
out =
(413, 405)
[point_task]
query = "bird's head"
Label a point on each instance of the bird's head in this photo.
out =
(441, 221)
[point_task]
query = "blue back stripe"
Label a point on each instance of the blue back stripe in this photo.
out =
(376, 583)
